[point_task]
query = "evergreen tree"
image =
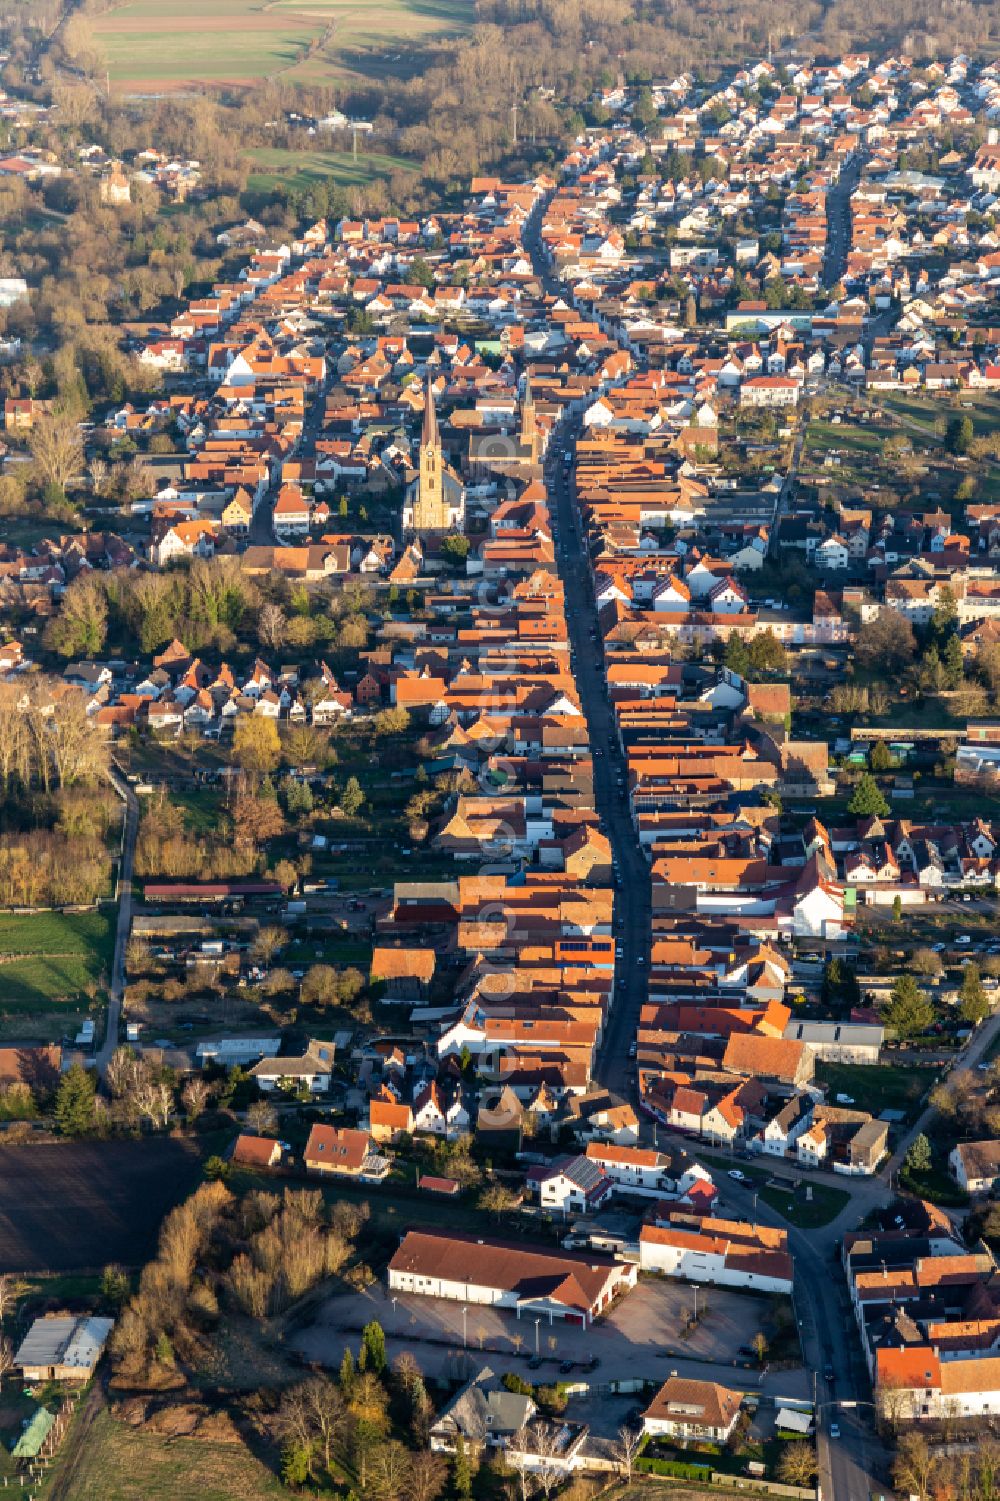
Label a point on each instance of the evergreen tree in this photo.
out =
(352, 797)
(918, 1158)
(736, 657)
(461, 1473)
(867, 798)
(974, 1005)
(297, 1462)
(881, 758)
(373, 1347)
(74, 1109)
(952, 661)
(347, 1374)
(909, 1012)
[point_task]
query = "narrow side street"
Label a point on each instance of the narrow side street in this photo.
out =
(116, 991)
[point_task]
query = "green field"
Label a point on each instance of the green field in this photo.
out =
(300, 169)
(50, 957)
(163, 44)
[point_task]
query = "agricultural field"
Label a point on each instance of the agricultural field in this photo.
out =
(153, 45)
(78, 1205)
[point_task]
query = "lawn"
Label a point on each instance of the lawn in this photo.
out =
(824, 1206)
(149, 44)
(119, 1463)
(929, 410)
(47, 957)
(300, 169)
(202, 807)
(877, 1088)
(808, 1214)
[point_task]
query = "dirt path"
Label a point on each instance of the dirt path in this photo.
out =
(316, 47)
(64, 1475)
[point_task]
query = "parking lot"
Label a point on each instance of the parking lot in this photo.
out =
(640, 1337)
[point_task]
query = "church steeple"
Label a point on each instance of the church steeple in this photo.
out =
(529, 428)
(435, 499)
(430, 513)
(429, 435)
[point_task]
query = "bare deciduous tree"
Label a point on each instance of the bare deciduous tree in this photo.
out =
(155, 1101)
(389, 1471)
(194, 1098)
(261, 1117)
(271, 625)
(428, 1473)
(56, 447)
(626, 1449)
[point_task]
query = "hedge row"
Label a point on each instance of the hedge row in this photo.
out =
(674, 1467)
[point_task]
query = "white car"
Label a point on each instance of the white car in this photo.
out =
(845, 1099)
(834, 1430)
(737, 1176)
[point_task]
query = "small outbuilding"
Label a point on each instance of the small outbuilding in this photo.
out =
(63, 1348)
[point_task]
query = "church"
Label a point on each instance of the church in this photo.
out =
(435, 496)
(502, 455)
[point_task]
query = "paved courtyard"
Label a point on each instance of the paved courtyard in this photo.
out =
(640, 1338)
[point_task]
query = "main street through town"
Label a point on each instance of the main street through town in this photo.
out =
(852, 1466)
(632, 879)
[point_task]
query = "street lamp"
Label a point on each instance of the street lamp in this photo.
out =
(465, 1315)
(393, 1302)
(537, 1322)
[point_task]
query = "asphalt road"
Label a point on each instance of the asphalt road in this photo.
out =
(852, 1465)
(261, 532)
(117, 989)
(632, 903)
(838, 223)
